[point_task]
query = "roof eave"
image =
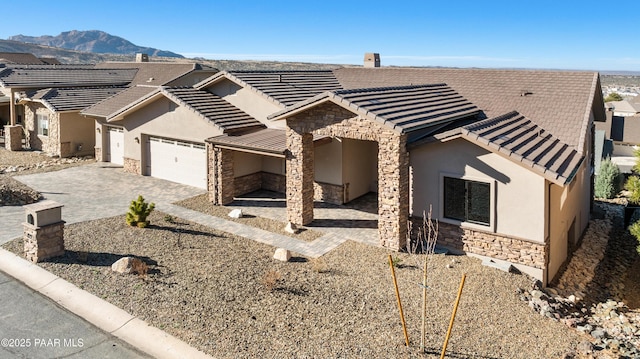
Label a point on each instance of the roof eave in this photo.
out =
(133, 106)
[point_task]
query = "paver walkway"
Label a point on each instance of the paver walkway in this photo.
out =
(101, 190)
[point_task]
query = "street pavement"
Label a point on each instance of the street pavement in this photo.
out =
(32, 326)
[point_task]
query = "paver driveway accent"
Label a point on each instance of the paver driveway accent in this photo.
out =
(90, 192)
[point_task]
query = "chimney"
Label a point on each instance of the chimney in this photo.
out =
(142, 58)
(371, 59)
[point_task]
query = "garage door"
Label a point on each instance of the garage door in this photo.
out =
(177, 161)
(115, 145)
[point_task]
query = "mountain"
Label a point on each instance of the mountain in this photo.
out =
(93, 41)
(77, 57)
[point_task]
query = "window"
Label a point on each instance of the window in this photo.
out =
(43, 124)
(467, 201)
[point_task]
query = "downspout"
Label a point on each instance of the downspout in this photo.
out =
(548, 259)
(12, 104)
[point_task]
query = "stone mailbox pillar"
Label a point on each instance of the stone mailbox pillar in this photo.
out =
(43, 231)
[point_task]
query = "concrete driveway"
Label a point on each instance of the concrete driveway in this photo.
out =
(90, 192)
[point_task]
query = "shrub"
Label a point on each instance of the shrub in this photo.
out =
(608, 180)
(633, 186)
(635, 231)
(271, 279)
(139, 210)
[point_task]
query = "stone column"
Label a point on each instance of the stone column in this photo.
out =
(13, 137)
(299, 177)
(223, 176)
(393, 191)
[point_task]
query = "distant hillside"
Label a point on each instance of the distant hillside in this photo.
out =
(77, 57)
(93, 41)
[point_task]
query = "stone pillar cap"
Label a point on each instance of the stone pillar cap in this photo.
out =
(43, 205)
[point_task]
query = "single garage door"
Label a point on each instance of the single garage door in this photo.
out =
(177, 161)
(115, 145)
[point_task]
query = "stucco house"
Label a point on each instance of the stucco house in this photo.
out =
(17, 81)
(506, 169)
(474, 145)
(35, 91)
(53, 123)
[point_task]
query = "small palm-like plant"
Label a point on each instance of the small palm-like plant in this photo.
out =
(139, 210)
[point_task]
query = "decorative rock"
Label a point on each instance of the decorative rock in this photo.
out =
(236, 213)
(125, 265)
(282, 255)
(291, 228)
(585, 347)
(449, 266)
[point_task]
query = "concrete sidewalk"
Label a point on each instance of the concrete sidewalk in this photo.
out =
(28, 317)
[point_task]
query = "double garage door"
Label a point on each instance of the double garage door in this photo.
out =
(177, 161)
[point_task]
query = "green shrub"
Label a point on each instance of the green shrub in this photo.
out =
(635, 231)
(633, 186)
(139, 210)
(608, 180)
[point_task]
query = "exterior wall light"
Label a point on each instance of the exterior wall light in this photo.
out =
(137, 139)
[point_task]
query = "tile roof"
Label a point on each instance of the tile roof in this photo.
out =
(20, 58)
(284, 88)
(115, 104)
(268, 140)
(524, 142)
(156, 73)
(624, 106)
(403, 108)
(213, 108)
(71, 99)
(52, 76)
(559, 101)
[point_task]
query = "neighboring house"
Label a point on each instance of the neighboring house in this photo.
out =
(18, 80)
(623, 108)
(160, 131)
(53, 123)
(505, 168)
(76, 141)
(622, 134)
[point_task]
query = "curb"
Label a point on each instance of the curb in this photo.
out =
(97, 311)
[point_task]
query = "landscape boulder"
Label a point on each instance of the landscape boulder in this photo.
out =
(236, 213)
(126, 265)
(291, 228)
(282, 255)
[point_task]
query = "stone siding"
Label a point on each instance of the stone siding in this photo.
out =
(13, 137)
(514, 250)
(223, 180)
(41, 243)
(327, 192)
(274, 182)
(393, 167)
(98, 153)
(49, 144)
(131, 165)
(247, 184)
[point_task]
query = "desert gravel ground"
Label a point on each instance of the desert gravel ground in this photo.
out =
(227, 296)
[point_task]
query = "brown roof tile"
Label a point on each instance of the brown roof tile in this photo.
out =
(213, 108)
(524, 142)
(156, 73)
(268, 140)
(20, 58)
(284, 88)
(403, 108)
(52, 76)
(113, 105)
(72, 99)
(559, 101)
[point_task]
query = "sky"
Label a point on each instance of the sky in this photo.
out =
(580, 35)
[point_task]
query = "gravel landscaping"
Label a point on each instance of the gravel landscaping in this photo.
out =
(227, 296)
(201, 203)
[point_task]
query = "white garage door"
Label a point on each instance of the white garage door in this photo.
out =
(115, 145)
(178, 161)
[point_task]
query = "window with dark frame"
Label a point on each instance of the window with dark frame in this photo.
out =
(467, 201)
